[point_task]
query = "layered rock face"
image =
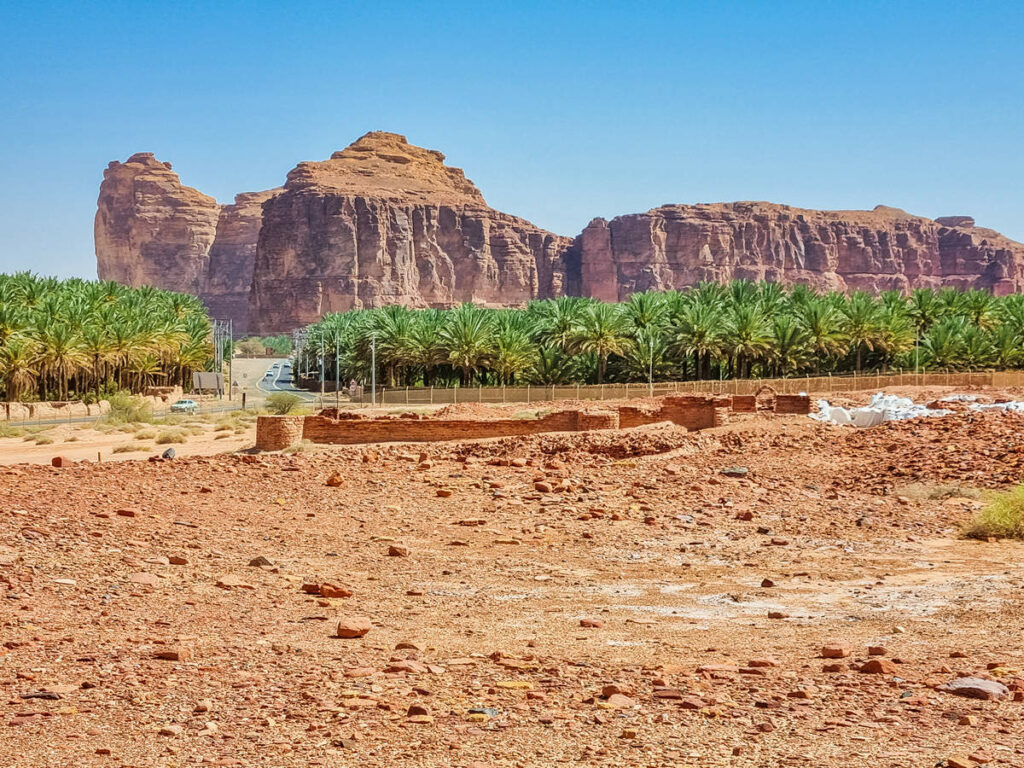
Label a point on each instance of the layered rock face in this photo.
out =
(884, 249)
(151, 229)
(385, 222)
(232, 257)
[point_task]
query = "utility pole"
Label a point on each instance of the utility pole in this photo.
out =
(650, 374)
(337, 371)
(322, 366)
(373, 370)
(231, 353)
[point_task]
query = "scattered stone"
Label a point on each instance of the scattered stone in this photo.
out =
(591, 623)
(976, 688)
(174, 653)
(170, 453)
(398, 550)
(836, 651)
(260, 561)
(354, 626)
(735, 471)
(879, 667)
(172, 730)
(335, 480)
(335, 591)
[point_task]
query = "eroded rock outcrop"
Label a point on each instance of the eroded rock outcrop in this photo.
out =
(151, 229)
(883, 249)
(385, 222)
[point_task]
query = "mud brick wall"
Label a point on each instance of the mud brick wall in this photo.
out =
(694, 412)
(744, 403)
(274, 433)
(793, 404)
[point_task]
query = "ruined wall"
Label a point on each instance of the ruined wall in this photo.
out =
(793, 404)
(321, 429)
(695, 412)
(275, 433)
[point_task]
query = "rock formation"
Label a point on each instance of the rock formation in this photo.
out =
(883, 249)
(384, 222)
(150, 229)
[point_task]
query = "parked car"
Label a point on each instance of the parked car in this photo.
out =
(185, 406)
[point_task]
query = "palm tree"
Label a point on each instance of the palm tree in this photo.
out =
(860, 323)
(820, 322)
(747, 335)
(788, 350)
(469, 338)
(602, 332)
(17, 357)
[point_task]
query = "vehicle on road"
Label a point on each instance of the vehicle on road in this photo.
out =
(185, 406)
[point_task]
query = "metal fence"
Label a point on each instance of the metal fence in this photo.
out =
(418, 396)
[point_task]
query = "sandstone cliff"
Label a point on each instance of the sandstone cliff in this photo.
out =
(151, 229)
(386, 222)
(883, 249)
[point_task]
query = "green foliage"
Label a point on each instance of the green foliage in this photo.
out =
(281, 403)
(1001, 518)
(76, 338)
(738, 330)
(126, 408)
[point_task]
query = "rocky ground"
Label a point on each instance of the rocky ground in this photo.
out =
(777, 592)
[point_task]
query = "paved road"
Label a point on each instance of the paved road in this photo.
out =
(282, 381)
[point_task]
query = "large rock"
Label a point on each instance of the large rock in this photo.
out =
(232, 256)
(883, 249)
(151, 229)
(385, 222)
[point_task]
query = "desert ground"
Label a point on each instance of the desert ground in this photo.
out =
(773, 592)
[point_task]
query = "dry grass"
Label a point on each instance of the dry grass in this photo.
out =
(304, 447)
(129, 448)
(1001, 518)
(171, 436)
(145, 434)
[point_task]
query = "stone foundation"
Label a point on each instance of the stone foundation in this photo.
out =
(273, 433)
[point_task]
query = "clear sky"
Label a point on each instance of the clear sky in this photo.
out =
(559, 111)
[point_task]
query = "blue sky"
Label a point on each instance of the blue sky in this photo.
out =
(559, 111)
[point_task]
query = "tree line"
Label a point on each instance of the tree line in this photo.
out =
(734, 330)
(712, 331)
(65, 339)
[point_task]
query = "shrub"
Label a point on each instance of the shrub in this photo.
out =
(281, 403)
(1001, 518)
(145, 434)
(128, 448)
(44, 440)
(170, 436)
(126, 408)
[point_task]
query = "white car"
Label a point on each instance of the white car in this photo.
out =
(185, 406)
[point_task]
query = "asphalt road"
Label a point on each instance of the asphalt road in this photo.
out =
(281, 381)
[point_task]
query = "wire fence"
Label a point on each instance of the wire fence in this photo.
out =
(812, 385)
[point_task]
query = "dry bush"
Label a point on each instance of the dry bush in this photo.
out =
(1001, 518)
(171, 436)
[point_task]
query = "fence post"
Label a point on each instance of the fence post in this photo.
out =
(503, 392)
(577, 390)
(528, 392)
(455, 395)
(431, 394)
(407, 395)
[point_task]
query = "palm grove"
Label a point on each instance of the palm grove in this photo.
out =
(87, 339)
(736, 330)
